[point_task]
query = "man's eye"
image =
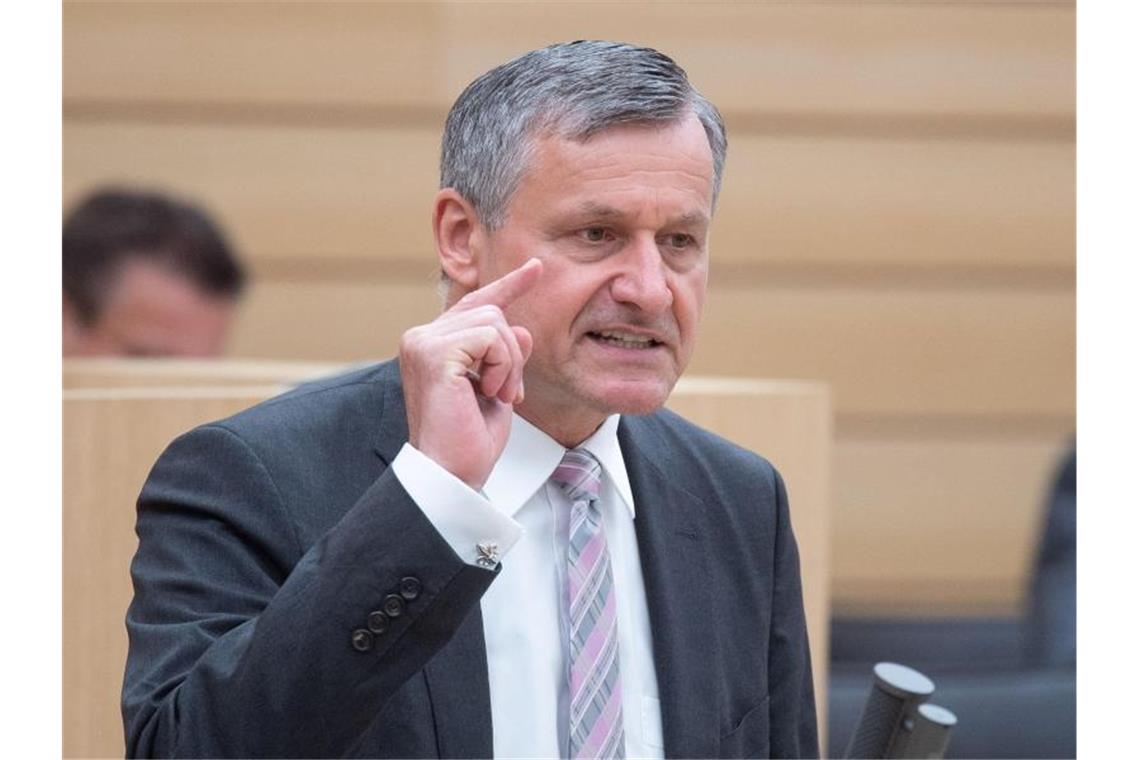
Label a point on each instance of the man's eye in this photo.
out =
(593, 234)
(680, 240)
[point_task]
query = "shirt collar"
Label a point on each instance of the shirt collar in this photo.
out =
(603, 444)
(530, 456)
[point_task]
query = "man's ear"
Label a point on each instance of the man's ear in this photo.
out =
(460, 239)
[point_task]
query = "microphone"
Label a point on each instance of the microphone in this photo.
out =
(895, 723)
(928, 735)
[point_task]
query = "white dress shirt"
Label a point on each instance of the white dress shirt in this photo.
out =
(525, 620)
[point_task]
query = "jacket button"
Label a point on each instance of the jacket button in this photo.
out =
(377, 622)
(393, 605)
(361, 640)
(410, 587)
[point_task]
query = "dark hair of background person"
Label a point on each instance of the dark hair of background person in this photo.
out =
(113, 225)
(146, 274)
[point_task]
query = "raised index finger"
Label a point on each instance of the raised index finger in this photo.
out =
(505, 289)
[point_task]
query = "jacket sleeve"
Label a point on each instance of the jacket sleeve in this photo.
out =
(242, 641)
(792, 717)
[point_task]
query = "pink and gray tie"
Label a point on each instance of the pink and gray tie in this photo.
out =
(595, 685)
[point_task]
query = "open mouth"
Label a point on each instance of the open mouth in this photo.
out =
(624, 340)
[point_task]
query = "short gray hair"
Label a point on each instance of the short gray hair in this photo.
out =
(574, 90)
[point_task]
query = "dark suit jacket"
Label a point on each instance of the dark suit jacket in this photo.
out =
(265, 541)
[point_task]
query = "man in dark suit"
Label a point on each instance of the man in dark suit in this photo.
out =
(497, 544)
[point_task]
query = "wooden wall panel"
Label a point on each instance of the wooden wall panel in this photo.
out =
(931, 353)
(934, 59)
(331, 320)
(923, 204)
(828, 58)
(936, 354)
(310, 194)
(251, 53)
(936, 525)
(116, 372)
(324, 195)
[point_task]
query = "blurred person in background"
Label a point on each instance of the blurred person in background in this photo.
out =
(1052, 619)
(145, 274)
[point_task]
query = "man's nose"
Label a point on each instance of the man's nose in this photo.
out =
(644, 277)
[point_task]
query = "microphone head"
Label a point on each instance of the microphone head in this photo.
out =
(895, 693)
(925, 735)
(902, 682)
(937, 716)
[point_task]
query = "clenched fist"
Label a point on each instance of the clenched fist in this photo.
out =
(463, 374)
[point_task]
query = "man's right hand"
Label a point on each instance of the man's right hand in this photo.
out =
(460, 422)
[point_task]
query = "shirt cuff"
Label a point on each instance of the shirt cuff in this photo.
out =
(480, 534)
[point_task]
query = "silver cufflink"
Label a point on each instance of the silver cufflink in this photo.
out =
(488, 554)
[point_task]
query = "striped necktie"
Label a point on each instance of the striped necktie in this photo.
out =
(595, 685)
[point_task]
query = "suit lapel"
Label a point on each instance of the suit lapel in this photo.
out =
(458, 686)
(671, 541)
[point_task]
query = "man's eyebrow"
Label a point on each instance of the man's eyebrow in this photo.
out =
(598, 211)
(603, 212)
(693, 218)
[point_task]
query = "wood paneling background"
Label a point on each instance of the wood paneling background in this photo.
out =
(897, 219)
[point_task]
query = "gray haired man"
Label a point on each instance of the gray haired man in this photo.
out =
(497, 544)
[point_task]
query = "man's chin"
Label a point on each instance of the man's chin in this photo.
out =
(634, 397)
